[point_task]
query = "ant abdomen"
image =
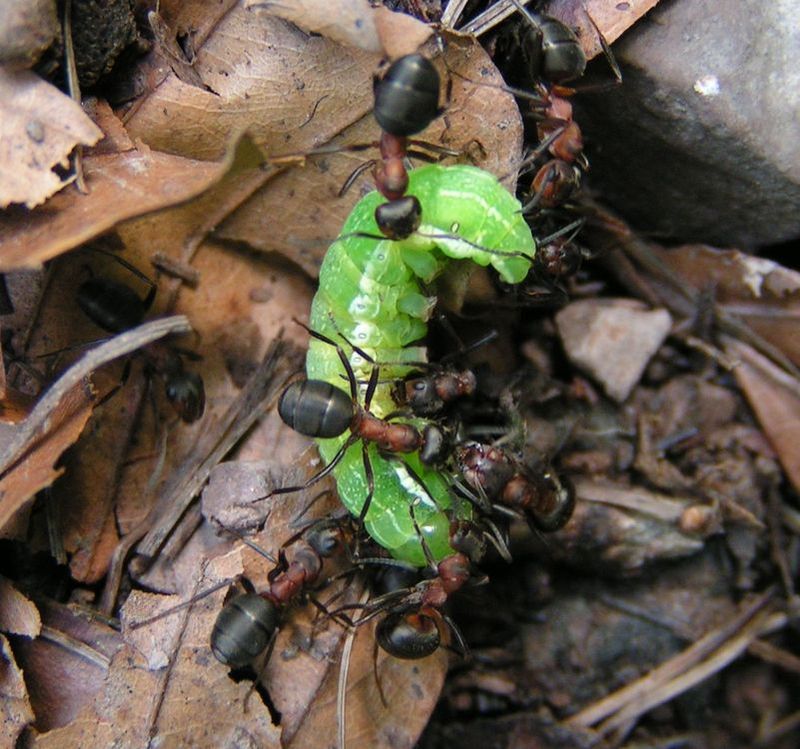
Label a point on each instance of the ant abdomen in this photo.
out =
(243, 629)
(407, 97)
(316, 408)
(408, 636)
(111, 305)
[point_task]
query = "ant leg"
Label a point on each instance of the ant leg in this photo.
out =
(354, 175)
(261, 669)
(318, 477)
(184, 604)
(496, 539)
(370, 483)
(151, 294)
(371, 387)
(375, 649)
(462, 644)
(252, 544)
(295, 521)
(351, 375)
(541, 148)
(478, 498)
(572, 229)
(426, 550)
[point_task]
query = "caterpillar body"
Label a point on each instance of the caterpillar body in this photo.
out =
(377, 294)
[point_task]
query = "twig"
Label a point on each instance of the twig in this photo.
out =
(452, 13)
(248, 408)
(38, 421)
(74, 89)
(76, 647)
(491, 17)
(190, 276)
(725, 654)
(660, 684)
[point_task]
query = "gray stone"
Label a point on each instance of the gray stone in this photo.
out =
(702, 140)
(612, 340)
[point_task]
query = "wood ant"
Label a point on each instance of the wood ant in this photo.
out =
(116, 307)
(316, 408)
(545, 500)
(429, 395)
(413, 617)
(406, 102)
(248, 624)
(552, 55)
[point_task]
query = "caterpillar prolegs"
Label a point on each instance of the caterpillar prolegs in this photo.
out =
(376, 293)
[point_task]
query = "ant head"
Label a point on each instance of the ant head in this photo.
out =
(421, 396)
(399, 218)
(468, 539)
(436, 445)
(326, 539)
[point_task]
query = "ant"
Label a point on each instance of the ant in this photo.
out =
(406, 102)
(316, 408)
(429, 395)
(413, 616)
(116, 307)
(249, 623)
(554, 57)
(545, 500)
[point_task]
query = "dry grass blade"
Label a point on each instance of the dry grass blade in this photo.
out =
(710, 654)
(252, 403)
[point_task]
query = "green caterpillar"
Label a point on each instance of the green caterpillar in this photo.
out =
(373, 291)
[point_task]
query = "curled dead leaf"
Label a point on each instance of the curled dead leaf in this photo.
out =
(39, 128)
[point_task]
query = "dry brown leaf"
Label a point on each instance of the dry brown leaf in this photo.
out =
(61, 414)
(193, 701)
(350, 22)
(592, 20)
(612, 18)
(759, 291)
(121, 185)
(399, 33)
(190, 703)
(15, 707)
(411, 689)
(299, 212)
(66, 665)
(37, 469)
(39, 128)
(265, 76)
(774, 397)
(18, 616)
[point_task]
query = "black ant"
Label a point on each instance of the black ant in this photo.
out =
(429, 395)
(554, 57)
(406, 102)
(116, 307)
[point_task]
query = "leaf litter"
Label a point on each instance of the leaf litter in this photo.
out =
(310, 94)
